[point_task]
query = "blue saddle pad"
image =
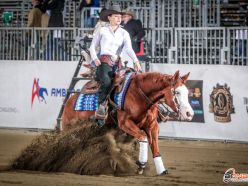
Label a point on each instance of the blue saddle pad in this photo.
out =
(119, 98)
(89, 102)
(86, 102)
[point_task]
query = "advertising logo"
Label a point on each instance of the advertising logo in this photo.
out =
(231, 176)
(44, 93)
(195, 100)
(221, 103)
(38, 92)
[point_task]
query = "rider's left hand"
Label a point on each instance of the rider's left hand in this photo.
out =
(137, 67)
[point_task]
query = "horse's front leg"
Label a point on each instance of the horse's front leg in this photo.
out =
(132, 129)
(143, 155)
(152, 129)
(159, 165)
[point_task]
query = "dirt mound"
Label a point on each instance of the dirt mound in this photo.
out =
(85, 149)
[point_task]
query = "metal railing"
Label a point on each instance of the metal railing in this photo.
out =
(203, 45)
(237, 45)
(159, 13)
(199, 45)
(15, 43)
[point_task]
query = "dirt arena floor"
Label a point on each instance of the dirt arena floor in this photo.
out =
(189, 163)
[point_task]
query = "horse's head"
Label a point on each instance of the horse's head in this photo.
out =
(176, 97)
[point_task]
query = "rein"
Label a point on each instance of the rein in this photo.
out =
(150, 103)
(163, 110)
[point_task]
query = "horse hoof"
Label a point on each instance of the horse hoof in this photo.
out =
(100, 123)
(165, 172)
(140, 171)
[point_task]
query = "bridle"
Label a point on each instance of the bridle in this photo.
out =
(165, 111)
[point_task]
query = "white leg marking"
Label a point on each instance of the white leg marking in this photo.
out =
(143, 151)
(159, 165)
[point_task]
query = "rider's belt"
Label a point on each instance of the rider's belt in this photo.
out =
(108, 59)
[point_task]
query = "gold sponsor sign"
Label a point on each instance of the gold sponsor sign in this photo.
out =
(221, 103)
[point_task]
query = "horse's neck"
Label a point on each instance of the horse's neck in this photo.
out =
(153, 85)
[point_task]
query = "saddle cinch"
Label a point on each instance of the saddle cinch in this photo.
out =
(92, 86)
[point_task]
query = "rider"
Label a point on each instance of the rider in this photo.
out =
(111, 39)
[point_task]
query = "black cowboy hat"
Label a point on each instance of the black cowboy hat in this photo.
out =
(114, 9)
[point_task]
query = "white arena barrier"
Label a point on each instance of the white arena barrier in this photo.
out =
(219, 98)
(32, 93)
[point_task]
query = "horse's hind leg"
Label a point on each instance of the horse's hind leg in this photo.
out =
(131, 128)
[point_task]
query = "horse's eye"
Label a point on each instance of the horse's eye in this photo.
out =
(176, 93)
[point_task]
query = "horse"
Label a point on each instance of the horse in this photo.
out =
(43, 91)
(138, 117)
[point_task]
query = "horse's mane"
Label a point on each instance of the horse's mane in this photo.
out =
(154, 77)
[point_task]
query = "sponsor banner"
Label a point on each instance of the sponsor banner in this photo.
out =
(32, 94)
(224, 105)
(195, 100)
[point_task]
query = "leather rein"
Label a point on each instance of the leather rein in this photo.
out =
(161, 111)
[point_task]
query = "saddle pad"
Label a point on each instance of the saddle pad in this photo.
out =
(86, 102)
(119, 97)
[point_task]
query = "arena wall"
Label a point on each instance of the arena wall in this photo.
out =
(32, 93)
(229, 122)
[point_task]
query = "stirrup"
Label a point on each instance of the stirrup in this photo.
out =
(100, 123)
(101, 114)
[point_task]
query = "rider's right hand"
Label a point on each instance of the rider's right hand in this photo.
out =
(137, 67)
(97, 62)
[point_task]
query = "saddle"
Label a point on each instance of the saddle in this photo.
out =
(118, 81)
(92, 86)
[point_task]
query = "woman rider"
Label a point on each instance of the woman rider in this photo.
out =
(111, 39)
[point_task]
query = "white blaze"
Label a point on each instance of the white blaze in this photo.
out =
(186, 111)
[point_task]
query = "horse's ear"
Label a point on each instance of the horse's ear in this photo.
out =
(176, 76)
(185, 77)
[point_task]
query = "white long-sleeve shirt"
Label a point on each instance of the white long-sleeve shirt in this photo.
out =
(111, 43)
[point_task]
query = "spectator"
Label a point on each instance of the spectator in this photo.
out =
(56, 8)
(44, 24)
(34, 16)
(89, 20)
(34, 20)
(134, 28)
(88, 61)
(136, 31)
(55, 49)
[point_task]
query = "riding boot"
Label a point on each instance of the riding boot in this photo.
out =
(101, 112)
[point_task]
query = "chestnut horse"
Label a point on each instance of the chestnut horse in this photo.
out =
(139, 116)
